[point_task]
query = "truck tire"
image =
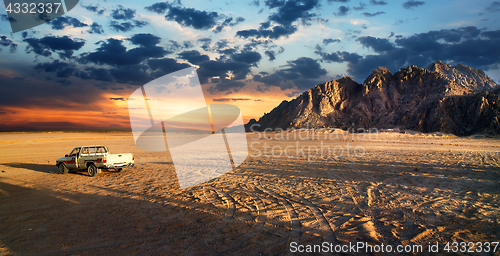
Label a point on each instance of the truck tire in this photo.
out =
(92, 170)
(63, 169)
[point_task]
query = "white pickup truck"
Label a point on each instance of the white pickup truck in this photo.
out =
(94, 159)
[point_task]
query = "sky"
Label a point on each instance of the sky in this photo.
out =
(77, 71)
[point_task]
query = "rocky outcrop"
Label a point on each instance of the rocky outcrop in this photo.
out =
(459, 100)
(469, 77)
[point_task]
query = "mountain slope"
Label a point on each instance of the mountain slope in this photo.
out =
(459, 100)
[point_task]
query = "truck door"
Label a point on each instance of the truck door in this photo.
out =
(74, 155)
(84, 155)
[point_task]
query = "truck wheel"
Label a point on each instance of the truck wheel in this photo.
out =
(63, 169)
(92, 170)
(119, 170)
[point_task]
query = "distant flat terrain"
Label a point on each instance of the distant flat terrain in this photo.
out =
(393, 188)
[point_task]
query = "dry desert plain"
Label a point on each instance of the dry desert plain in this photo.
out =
(396, 189)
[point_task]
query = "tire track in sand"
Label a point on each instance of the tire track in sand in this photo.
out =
(228, 217)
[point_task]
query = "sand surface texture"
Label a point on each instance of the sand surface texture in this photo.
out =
(405, 189)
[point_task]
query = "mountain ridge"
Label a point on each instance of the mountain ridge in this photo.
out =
(441, 98)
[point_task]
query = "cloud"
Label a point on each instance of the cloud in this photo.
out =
(273, 33)
(328, 41)
(228, 22)
(194, 57)
(249, 57)
(281, 23)
(367, 14)
(300, 73)
(466, 45)
(112, 51)
(158, 7)
(62, 69)
(375, 2)
(166, 66)
(94, 9)
(4, 41)
(118, 99)
(377, 44)
(361, 6)
(338, 1)
(5, 17)
(46, 45)
(290, 11)
(65, 21)
(226, 86)
(494, 7)
(190, 17)
(343, 10)
(231, 99)
(145, 40)
(270, 54)
(121, 13)
(95, 29)
(127, 26)
(412, 3)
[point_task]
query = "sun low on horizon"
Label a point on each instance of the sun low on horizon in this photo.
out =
(78, 71)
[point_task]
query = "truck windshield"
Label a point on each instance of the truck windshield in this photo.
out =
(74, 152)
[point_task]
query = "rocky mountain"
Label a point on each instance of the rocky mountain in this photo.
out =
(459, 100)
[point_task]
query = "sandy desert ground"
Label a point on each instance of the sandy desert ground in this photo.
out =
(405, 189)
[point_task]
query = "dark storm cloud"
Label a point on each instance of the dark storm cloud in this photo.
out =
(228, 22)
(375, 2)
(226, 86)
(220, 68)
(227, 72)
(466, 45)
(95, 29)
(66, 21)
(300, 73)
(158, 7)
(166, 66)
(280, 23)
(6, 17)
(114, 53)
(328, 41)
(377, 44)
(361, 6)
(273, 33)
(271, 55)
(249, 57)
(46, 45)
(4, 41)
(494, 7)
(145, 40)
(412, 3)
(121, 13)
(290, 11)
(205, 43)
(99, 74)
(343, 10)
(194, 57)
(367, 14)
(190, 17)
(133, 74)
(127, 26)
(94, 9)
